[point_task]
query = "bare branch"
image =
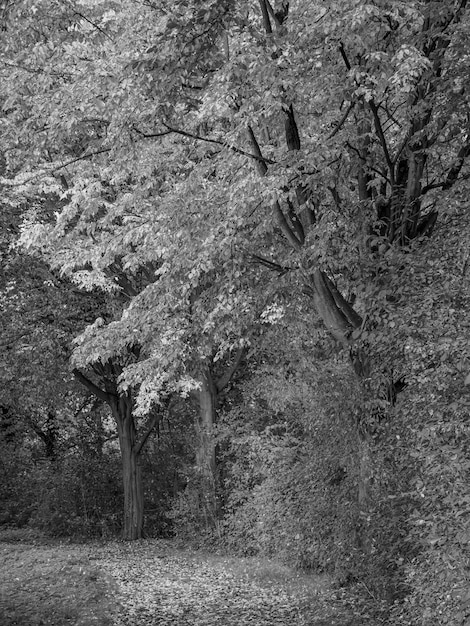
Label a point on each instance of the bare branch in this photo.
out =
(9, 343)
(185, 133)
(295, 222)
(435, 185)
(336, 197)
(453, 173)
(82, 157)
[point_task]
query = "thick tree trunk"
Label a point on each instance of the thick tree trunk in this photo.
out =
(121, 407)
(131, 470)
(205, 450)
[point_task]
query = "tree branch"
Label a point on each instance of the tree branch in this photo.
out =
(278, 16)
(152, 135)
(453, 173)
(262, 169)
(227, 376)
(271, 265)
(435, 185)
(80, 158)
(286, 229)
(261, 164)
(381, 136)
(344, 56)
(295, 223)
(98, 28)
(153, 420)
(291, 130)
(9, 343)
(90, 385)
(337, 314)
(185, 133)
(340, 124)
(342, 304)
(265, 15)
(372, 169)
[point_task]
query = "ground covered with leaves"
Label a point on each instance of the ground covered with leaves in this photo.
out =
(153, 582)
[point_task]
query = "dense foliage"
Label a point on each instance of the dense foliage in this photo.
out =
(264, 207)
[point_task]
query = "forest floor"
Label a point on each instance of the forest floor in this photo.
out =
(153, 582)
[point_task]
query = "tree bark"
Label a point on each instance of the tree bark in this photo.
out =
(121, 409)
(205, 450)
(208, 397)
(336, 313)
(133, 522)
(48, 434)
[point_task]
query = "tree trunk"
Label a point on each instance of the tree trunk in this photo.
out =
(121, 407)
(131, 470)
(205, 451)
(47, 433)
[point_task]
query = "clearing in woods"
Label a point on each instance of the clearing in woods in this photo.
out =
(153, 582)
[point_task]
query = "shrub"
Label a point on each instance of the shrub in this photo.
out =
(82, 497)
(290, 501)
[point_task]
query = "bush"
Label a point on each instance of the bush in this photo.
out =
(295, 499)
(81, 497)
(17, 492)
(289, 501)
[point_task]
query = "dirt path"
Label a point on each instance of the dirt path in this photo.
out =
(153, 583)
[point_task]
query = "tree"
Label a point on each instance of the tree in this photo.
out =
(131, 446)
(40, 316)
